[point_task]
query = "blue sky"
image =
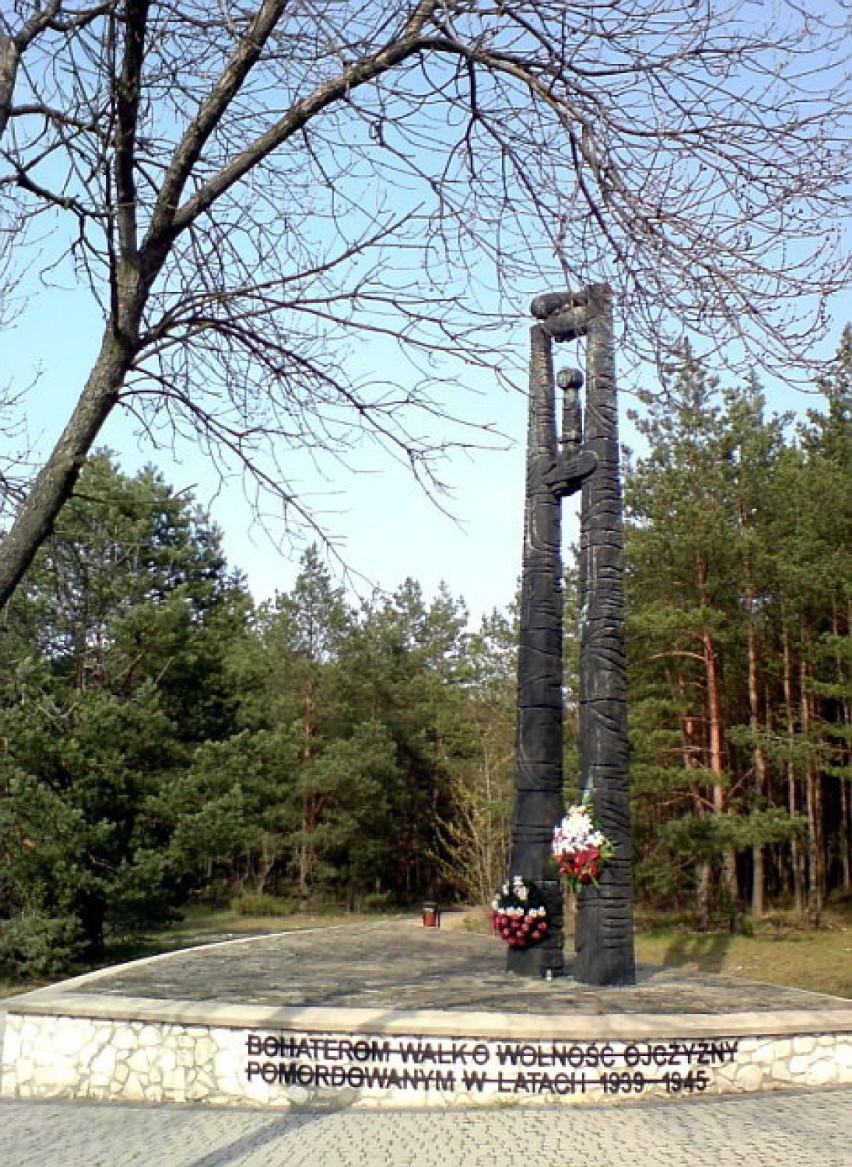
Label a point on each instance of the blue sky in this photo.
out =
(386, 527)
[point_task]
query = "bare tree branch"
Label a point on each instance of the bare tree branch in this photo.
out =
(247, 191)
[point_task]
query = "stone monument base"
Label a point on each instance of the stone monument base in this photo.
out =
(391, 1014)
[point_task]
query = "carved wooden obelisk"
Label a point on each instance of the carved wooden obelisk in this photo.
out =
(603, 936)
(604, 931)
(551, 473)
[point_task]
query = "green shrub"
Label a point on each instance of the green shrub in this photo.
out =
(34, 945)
(377, 901)
(256, 904)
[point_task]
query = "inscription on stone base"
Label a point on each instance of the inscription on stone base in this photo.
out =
(519, 1069)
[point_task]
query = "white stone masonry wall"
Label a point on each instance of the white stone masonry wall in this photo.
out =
(79, 1057)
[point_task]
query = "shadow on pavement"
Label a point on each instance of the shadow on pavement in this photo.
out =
(255, 1140)
(706, 951)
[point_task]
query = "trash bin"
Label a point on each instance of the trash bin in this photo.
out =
(431, 915)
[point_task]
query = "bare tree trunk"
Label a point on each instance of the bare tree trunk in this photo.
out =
(845, 816)
(690, 750)
(715, 745)
(310, 812)
(11, 49)
(812, 809)
(10, 56)
(758, 887)
(57, 478)
(128, 292)
(265, 864)
(797, 859)
(845, 857)
(703, 887)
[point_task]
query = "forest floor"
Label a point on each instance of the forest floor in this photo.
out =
(776, 950)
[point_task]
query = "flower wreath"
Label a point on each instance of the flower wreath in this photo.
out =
(580, 847)
(518, 913)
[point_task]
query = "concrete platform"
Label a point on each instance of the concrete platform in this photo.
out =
(392, 1014)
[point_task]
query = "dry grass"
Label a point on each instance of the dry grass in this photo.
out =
(776, 951)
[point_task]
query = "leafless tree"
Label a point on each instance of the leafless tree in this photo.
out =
(248, 186)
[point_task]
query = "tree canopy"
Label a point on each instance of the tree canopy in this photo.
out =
(163, 737)
(738, 573)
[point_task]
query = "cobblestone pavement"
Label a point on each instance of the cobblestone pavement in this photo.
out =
(777, 1130)
(399, 965)
(412, 967)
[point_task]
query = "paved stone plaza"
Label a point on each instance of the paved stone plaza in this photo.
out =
(398, 971)
(766, 1130)
(398, 965)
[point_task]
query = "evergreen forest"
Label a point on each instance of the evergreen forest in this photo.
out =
(165, 740)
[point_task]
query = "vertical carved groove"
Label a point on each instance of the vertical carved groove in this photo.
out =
(538, 778)
(604, 927)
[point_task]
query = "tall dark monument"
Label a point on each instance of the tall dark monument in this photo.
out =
(558, 466)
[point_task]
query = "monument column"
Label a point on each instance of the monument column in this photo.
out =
(556, 467)
(538, 754)
(604, 926)
(604, 929)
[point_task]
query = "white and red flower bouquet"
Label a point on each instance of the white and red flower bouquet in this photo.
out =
(518, 913)
(580, 847)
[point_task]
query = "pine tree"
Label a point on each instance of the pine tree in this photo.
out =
(680, 577)
(113, 655)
